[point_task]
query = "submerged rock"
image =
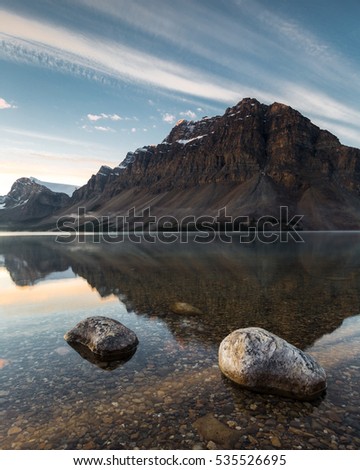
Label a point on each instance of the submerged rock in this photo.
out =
(62, 350)
(103, 362)
(182, 308)
(212, 430)
(261, 361)
(104, 337)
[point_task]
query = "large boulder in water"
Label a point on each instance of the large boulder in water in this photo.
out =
(261, 361)
(104, 337)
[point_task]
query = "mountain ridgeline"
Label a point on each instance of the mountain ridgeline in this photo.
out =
(251, 161)
(28, 203)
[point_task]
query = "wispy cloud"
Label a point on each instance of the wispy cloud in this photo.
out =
(56, 47)
(97, 117)
(43, 136)
(289, 29)
(263, 34)
(341, 119)
(299, 57)
(347, 133)
(104, 129)
(5, 105)
(190, 27)
(188, 114)
(290, 61)
(94, 117)
(169, 118)
(305, 98)
(93, 128)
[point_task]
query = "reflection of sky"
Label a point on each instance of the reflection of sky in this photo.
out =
(68, 274)
(66, 299)
(58, 304)
(47, 297)
(340, 347)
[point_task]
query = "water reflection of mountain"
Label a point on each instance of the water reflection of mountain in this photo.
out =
(31, 259)
(299, 291)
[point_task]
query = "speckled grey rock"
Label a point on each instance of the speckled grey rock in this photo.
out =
(104, 337)
(261, 361)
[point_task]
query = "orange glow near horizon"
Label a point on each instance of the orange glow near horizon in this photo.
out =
(48, 296)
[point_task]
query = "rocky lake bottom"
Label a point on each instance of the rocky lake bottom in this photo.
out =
(171, 394)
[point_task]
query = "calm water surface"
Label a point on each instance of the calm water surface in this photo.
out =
(171, 394)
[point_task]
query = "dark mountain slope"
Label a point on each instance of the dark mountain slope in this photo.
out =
(252, 160)
(28, 203)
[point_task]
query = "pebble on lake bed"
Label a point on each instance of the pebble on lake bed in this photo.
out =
(212, 430)
(261, 361)
(182, 308)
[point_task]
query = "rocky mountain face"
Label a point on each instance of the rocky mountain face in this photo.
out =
(250, 140)
(96, 183)
(29, 202)
(252, 160)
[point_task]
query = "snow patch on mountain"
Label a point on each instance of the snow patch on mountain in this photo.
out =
(56, 187)
(186, 141)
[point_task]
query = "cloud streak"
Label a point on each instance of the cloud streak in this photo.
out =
(245, 40)
(44, 137)
(300, 60)
(56, 47)
(188, 114)
(289, 61)
(104, 129)
(97, 117)
(169, 118)
(5, 105)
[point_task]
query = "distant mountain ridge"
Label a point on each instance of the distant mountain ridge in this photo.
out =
(252, 160)
(29, 202)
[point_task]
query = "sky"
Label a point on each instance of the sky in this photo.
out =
(82, 82)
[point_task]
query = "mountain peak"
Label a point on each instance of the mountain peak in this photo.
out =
(28, 199)
(248, 101)
(251, 160)
(181, 121)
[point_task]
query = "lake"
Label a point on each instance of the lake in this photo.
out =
(171, 393)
